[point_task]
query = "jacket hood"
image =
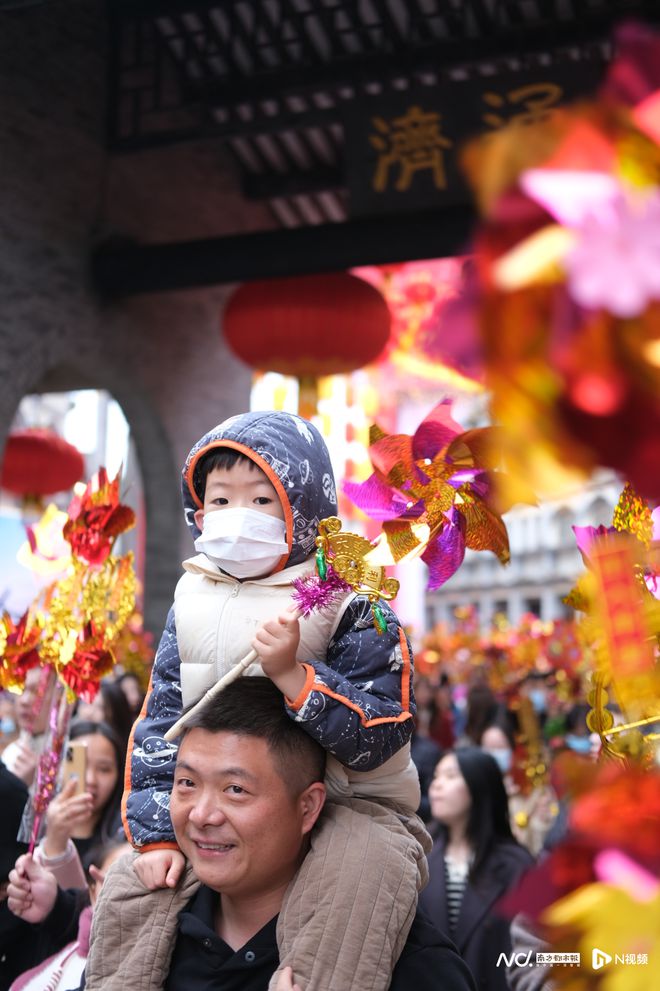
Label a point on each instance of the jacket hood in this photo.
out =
(295, 458)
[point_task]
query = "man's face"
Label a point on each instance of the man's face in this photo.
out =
(234, 818)
(25, 716)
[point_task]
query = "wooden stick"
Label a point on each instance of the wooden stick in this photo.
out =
(213, 691)
(232, 675)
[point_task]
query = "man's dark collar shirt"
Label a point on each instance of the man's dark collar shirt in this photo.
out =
(202, 961)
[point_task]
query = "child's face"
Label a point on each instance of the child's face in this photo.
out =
(245, 486)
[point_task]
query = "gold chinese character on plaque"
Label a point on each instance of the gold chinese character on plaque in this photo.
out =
(525, 105)
(409, 144)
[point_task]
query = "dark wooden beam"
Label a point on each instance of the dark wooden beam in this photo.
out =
(122, 269)
(296, 182)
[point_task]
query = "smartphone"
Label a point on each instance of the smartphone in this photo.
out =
(75, 764)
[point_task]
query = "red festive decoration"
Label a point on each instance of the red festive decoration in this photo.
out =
(96, 518)
(309, 326)
(91, 661)
(19, 650)
(38, 462)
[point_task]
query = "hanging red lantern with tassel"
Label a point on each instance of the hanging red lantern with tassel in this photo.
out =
(38, 462)
(310, 326)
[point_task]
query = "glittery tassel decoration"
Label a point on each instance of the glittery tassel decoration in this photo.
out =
(315, 592)
(632, 514)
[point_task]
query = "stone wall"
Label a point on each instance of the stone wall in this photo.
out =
(162, 357)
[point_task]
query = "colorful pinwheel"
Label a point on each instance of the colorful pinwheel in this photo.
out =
(91, 661)
(436, 493)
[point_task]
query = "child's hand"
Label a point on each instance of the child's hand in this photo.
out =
(276, 642)
(160, 868)
(31, 891)
(285, 981)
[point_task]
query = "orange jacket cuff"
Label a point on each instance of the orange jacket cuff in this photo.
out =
(156, 846)
(310, 674)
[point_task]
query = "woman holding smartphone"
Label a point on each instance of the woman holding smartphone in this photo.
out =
(77, 820)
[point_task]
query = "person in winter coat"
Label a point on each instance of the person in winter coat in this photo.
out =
(255, 490)
(36, 894)
(474, 861)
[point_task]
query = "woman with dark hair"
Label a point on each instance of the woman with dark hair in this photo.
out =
(130, 686)
(474, 861)
(110, 706)
(482, 709)
(532, 810)
(76, 823)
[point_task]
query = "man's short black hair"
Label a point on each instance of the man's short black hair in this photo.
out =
(217, 457)
(253, 706)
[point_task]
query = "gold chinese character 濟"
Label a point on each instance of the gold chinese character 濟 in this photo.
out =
(412, 143)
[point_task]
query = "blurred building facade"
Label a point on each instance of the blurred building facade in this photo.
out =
(545, 561)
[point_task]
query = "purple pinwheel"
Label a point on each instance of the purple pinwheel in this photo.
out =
(435, 493)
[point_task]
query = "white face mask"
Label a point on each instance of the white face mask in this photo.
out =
(503, 757)
(243, 542)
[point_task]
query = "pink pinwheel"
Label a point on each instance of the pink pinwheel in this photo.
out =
(436, 493)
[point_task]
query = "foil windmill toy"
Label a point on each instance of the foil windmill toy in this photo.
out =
(436, 493)
(70, 628)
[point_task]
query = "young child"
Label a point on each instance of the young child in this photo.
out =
(255, 489)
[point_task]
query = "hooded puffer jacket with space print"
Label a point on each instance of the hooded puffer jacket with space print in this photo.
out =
(357, 700)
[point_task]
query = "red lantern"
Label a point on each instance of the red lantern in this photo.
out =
(38, 462)
(309, 326)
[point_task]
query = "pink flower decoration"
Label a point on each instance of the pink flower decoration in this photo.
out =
(570, 195)
(615, 262)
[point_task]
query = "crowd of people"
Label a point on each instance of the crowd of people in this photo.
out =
(44, 944)
(338, 822)
(471, 802)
